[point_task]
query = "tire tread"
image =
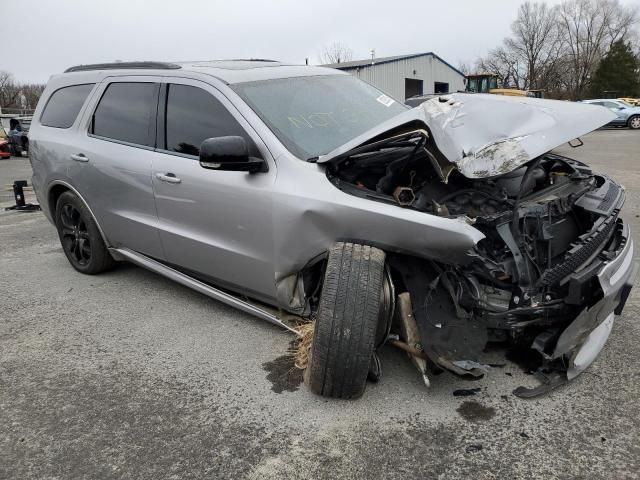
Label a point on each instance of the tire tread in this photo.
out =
(347, 319)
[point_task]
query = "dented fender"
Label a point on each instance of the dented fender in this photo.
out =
(309, 222)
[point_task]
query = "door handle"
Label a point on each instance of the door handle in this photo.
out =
(79, 157)
(168, 177)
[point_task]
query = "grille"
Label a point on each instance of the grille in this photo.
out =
(579, 254)
(609, 198)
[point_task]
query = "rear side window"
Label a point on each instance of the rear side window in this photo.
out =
(64, 104)
(193, 115)
(124, 112)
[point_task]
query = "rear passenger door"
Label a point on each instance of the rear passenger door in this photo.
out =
(112, 164)
(216, 224)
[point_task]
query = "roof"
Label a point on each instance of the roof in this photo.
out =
(228, 71)
(381, 60)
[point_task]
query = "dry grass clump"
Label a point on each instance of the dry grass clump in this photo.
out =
(301, 348)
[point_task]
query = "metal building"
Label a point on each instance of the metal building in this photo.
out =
(404, 76)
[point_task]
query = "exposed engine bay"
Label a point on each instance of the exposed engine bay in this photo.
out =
(549, 225)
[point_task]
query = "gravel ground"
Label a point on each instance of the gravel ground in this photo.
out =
(128, 375)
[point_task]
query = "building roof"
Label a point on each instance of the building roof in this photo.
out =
(381, 60)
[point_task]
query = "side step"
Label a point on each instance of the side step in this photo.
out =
(172, 274)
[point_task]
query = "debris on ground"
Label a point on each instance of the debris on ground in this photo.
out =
(475, 411)
(302, 344)
(466, 392)
(474, 447)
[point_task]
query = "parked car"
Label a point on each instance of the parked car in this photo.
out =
(5, 151)
(308, 190)
(627, 115)
(16, 130)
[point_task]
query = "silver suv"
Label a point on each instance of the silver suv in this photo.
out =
(437, 229)
(627, 115)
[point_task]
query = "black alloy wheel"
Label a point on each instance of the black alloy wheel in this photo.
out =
(80, 236)
(75, 236)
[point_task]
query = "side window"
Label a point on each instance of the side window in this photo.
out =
(124, 112)
(611, 104)
(193, 115)
(64, 104)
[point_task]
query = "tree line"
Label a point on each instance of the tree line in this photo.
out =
(17, 97)
(574, 50)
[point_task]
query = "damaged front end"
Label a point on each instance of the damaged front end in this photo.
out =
(554, 268)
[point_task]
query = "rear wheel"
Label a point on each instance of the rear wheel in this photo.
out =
(80, 236)
(347, 321)
(634, 122)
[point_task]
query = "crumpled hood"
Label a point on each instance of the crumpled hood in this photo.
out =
(485, 135)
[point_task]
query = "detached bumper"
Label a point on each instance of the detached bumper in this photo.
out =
(581, 342)
(585, 337)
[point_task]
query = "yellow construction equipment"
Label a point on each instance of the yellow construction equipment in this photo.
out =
(488, 83)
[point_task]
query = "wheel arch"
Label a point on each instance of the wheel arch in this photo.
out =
(57, 188)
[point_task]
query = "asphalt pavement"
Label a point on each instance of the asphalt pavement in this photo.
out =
(128, 375)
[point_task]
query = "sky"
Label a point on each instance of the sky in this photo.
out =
(43, 37)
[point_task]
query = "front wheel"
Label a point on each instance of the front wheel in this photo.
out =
(80, 236)
(347, 321)
(634, 122)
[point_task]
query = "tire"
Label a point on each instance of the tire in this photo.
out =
(80, 237)
(634, 122)
(347, 320)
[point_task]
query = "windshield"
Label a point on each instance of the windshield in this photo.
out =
(625, 104)
(312, 116)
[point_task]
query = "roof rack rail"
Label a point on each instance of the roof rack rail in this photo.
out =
(251, 60)
(124, 65)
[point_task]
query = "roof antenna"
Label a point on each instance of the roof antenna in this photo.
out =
(373, 56)
(306, 61)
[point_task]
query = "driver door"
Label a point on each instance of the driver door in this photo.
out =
(214, 224)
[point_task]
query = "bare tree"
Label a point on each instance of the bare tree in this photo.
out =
(336, 53)
(588, 28)
(17, 97)
(534, 41)
(559, 48)
(464, 67)
(502, 62)
(9, 91)
(32, 93)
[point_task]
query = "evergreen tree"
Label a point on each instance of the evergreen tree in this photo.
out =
(619, 71)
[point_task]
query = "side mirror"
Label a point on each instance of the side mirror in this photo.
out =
(230, 154)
